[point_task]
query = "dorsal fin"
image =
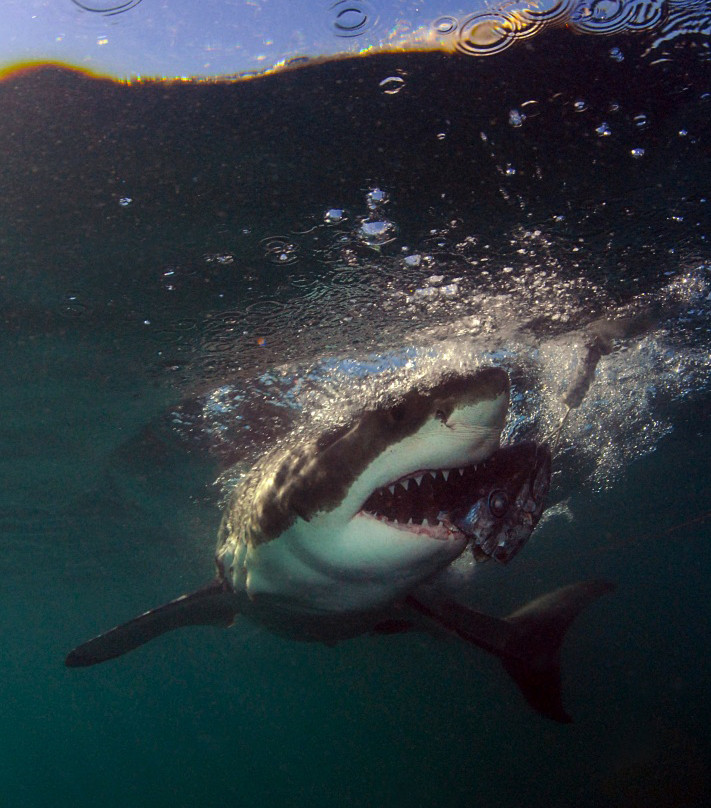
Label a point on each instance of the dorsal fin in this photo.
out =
(212, 605)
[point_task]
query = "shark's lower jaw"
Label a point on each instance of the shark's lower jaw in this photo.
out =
(439, 530)
(417, 503)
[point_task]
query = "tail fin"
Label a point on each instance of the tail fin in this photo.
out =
(528, 641)
(214, 604)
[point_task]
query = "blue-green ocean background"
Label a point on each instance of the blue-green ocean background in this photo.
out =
(119, 206)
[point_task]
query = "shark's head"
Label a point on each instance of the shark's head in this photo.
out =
(350, 520)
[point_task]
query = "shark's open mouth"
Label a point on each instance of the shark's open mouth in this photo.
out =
(419, 502)
(495, 504)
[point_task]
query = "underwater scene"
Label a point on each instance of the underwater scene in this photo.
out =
(363, 385)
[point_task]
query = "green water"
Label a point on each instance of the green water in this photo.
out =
(95, 346)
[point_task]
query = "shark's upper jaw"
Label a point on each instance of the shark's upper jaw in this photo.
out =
(419, 502)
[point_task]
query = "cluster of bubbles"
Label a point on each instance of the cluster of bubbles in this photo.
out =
(322, 281)
(525, 309)
(375, 229)
(624, 415)
(349, 271)
(628, 408)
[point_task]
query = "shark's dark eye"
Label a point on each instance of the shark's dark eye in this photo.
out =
(498, 503)
(398, 412)
(440, 415)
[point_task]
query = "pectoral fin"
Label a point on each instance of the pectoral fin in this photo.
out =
(213, 605)
(527, 642)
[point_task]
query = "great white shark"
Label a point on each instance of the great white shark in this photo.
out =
(347, 531)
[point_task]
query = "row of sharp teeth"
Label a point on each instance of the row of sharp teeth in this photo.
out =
(410, 521)
(455, 473)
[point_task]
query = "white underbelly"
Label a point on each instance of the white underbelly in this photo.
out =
(362, 568)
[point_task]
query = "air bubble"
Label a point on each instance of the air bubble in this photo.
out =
(224, 259)
(615, 53)
(375, 198)
(377, 232)
(603, 130)
(640, 120)
(73, 307)
(580, 105)
(392, 85)
(637, 153)
(280, 250)
(516, 118)
(169, 278)
(125, 201)
(445, 25)
(334, 216)
(530, 109)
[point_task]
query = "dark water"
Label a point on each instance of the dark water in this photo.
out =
(158, 241)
